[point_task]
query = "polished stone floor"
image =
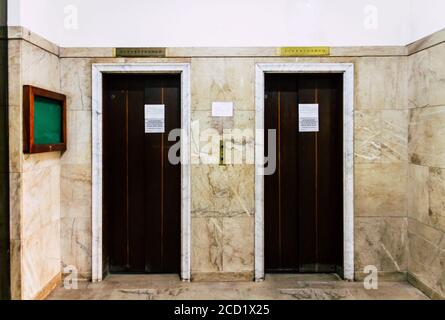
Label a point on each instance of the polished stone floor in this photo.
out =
(276, 287)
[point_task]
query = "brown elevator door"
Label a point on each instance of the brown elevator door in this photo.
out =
(303, 198)
(141, 187)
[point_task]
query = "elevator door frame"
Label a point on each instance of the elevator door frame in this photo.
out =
(97, 146)
(347, 69)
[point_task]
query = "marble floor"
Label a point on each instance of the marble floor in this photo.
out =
(276, 287)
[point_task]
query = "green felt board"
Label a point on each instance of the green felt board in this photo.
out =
(47, 121)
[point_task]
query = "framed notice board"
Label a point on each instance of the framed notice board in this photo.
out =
(44, 115)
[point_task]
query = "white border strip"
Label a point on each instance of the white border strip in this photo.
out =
(97, 146)
(347, 69)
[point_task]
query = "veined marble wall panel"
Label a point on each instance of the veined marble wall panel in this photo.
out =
(35, 180)
(41, 228)
(427, 196)
(426, 132)
(223, 79)
(382, 83)
(15, 102)
(382, 243)
(426, 182)
(427, 255)
(381, 136)
(76, 229)
(427, 77)
(380, 190)
(380, 164)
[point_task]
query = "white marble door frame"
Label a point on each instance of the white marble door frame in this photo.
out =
(347, 69)
(97, 71)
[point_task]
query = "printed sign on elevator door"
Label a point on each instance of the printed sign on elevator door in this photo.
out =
(154, 118)
(308, 118)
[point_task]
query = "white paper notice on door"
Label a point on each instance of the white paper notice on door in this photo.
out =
(154, 118)
(308, 118)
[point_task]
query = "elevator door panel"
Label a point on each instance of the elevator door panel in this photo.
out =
(141, 186)
(303, 198)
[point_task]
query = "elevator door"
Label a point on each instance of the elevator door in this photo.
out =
(141, 186)
(303, 198)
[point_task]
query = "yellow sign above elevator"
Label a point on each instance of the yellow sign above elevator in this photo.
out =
(304, 51)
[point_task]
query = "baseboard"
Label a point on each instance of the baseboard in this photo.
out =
(223, 276)
(422, 286)
(49, 287)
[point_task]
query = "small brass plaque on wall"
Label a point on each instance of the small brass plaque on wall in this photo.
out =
(140, 52)
(305, 51)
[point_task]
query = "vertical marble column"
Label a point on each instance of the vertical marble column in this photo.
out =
(4, 158)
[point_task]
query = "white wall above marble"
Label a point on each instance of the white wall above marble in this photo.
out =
(225, 23)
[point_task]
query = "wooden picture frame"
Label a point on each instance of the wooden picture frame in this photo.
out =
(34, 141)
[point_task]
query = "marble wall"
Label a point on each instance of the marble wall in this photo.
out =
(76, 167)
(223, 197)
(426, 182)
(34, 180)
(4, 158)
(381, 124)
